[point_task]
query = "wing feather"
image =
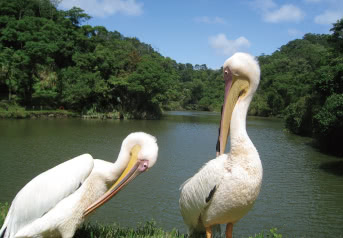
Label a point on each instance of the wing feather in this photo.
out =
(197, 190)
(43, 192)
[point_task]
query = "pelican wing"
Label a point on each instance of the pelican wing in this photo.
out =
(44, 191)
(197, 192)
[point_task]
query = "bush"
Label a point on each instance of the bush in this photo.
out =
(298, 116)
(272, 233)
(259, 107)
(328, 124)
(11, 110)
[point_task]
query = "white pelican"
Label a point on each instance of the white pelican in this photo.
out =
(225, 188)
(56, 202)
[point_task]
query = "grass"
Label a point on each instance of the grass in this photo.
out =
(8, 110)
(14, 111)
(3, 211)
(146, 230)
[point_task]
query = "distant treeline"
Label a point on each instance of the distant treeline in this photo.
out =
(50, 59)
(303, 83)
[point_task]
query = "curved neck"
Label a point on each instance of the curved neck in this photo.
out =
(118, 167)
(123, 159)
(238, 132)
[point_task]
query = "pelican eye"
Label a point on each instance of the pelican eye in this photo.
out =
(144, 165)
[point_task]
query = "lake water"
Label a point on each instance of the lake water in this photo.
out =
(298, 196)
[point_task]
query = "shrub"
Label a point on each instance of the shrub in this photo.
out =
(298, 116)
(328, 124)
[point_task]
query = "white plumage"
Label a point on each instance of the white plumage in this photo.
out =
(55, 203)
(225, 188)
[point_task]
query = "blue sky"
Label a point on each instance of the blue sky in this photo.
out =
(210, 31)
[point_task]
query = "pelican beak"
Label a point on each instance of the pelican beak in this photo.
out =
(235, 87)
(133, 169)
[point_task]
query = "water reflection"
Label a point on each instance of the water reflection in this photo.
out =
(334, 167)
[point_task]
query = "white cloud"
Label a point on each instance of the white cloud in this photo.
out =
(103, 8)
(328, 17)
(263, 5)
(312, 1)
(209, 20)
(287, 12)
(271, 12)
(228, 47)
(294, 32)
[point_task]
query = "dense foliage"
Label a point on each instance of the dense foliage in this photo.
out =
(50, 59)
(303, 83)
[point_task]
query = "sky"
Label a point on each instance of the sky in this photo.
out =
(210, 31)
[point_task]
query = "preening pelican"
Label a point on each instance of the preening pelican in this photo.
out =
(225, 188)
(56, 202)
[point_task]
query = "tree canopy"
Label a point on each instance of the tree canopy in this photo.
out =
(303, 83)
(50, 58)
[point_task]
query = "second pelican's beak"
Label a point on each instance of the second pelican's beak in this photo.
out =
(133, 169)
(235, 87)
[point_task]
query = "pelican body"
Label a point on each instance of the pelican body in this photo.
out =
(56, 202)
(226, 187)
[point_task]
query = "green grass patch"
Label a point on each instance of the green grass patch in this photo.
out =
(14, 111)
(143, 230)
(3, 212)
(272, 233)
(146, 230)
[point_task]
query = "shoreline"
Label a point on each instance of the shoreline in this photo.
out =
(61, 113)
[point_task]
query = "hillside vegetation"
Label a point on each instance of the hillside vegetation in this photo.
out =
(51, 59)
(303, 83)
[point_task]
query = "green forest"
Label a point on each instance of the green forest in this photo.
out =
(50, 59)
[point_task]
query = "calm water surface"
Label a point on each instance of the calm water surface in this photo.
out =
(297, 196)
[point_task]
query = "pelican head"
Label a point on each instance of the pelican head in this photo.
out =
(242, 76)
(141, 148)
(138, 153)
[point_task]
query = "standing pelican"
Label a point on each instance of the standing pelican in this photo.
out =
(56, 202)
(225, 188)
